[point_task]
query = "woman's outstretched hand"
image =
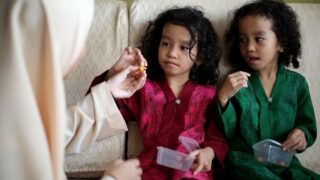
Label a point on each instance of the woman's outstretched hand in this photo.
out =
(125, 83)
(130, 56)
(128, 74)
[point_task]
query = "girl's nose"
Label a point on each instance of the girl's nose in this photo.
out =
(172, 53)
(250, 46)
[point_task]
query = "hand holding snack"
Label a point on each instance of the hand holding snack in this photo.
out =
(130, 57)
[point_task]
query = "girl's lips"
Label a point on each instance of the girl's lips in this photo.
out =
(171, 63)
(251, 60)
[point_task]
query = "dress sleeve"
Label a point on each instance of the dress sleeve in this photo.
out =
(96, 117)
(216, 140)
(226, 119)
(306, 120)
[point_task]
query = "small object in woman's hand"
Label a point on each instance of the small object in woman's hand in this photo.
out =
(142, 68)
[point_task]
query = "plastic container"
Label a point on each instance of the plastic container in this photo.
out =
(270, 152)
(174, 159)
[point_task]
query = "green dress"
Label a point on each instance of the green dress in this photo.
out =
(250, 117)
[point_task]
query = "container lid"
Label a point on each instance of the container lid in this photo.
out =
(189, 143)
(267, 142)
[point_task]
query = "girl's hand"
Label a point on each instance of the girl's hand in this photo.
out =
(232, 84)
(296, 140)
(203, 160)
(125, 83)
(123, 170)
(130, 56)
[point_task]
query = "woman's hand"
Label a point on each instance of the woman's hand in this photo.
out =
(125, 83)
(123, 170)
(232, 84)
(296, 140)
(203, 160)
(130, 56)
(128, 74)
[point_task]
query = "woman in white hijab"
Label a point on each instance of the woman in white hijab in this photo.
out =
(40, 41)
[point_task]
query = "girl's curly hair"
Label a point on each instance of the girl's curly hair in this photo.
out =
(284, 24)
(202, 33)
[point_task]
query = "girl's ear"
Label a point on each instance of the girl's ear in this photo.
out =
(281, 49)
(198, 61)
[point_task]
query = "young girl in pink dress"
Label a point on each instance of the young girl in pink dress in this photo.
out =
(183, 52)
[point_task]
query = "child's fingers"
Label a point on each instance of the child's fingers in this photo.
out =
(294, 144)
(194, 153)
(295, 136)
(299, 146)
(206, 166)
(240, 73)
(199, 168)
(289, 144)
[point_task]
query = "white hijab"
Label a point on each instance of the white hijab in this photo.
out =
(39, 43)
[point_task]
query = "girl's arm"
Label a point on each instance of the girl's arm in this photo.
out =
(232, 84)
(305, 132)
(216, 141)
(225, 110)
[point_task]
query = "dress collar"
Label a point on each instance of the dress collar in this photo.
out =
(258, 87)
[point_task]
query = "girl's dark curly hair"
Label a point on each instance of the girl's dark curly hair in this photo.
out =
(202, 33)
(284, 24)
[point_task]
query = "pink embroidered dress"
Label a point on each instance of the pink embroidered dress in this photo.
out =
(162, 118)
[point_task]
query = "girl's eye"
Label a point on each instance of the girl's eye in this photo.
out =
(184, 48)
(259, 39)
(163, 43)
(242, 40)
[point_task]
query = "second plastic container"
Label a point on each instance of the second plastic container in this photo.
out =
(270, 152)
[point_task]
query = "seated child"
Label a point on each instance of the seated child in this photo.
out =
(263, 99)
(183, 52)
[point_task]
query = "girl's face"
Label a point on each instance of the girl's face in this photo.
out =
(173, 53)
(259, 45)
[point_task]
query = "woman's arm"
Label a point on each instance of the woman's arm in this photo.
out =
(96, 117)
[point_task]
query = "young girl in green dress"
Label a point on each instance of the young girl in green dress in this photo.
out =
(263, 99)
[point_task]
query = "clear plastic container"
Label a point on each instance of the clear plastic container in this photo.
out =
(174, 159)
(270, 152)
